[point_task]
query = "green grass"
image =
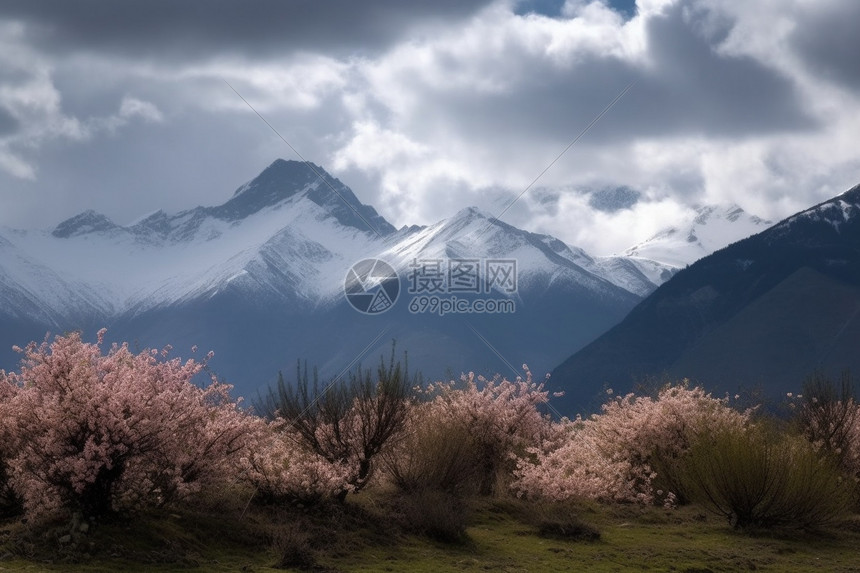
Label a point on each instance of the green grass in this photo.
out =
(631, 540)
(502, 536)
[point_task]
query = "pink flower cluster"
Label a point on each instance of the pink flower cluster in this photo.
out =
(84, 430)
(615, 455)
(503, 417)
(281, 470)
(95, 432)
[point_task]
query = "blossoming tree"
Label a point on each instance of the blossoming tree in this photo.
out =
(93, 432)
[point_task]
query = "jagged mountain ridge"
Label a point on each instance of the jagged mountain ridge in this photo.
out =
(304, 233)
(472, 232)
(259, 279)
(164, 259)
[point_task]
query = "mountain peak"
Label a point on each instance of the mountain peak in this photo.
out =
(467, 222)
(285, 179)
(83, 223)
(730, 212)
(852, 194)
(733, 212)
(277, 182)
(713, 227)
(470, 214)
(276, 174)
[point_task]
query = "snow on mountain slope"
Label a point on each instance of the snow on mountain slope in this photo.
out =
(163, 260)
(29, 288)
(837, 211)
(637, 275)
(290, 235)
(620, 271)
(713, 228)
(474, 234)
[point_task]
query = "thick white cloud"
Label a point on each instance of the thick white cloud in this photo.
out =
(491, 103)
(732, 101)
(30, 102)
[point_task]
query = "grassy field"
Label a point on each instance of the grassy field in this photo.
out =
(500, 535)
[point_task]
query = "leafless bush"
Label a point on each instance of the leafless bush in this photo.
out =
(347, 421)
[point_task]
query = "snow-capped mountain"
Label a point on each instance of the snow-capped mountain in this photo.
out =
(260, 279)
(540, 258)
(286, 222)
(712, 228)
(637, 275)
(840, 213)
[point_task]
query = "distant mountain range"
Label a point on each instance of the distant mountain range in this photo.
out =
(712, 228)
(260, 280)
(757, 316)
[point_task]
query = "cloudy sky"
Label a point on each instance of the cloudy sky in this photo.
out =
(424, 107)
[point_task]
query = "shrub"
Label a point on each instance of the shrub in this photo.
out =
(345, 423)
(501, 416)
(559, 521)
(96, 433)
(436, 514)
(292, 545)
(629, 452)
(434, 453)
(756, 477)
(829, 417)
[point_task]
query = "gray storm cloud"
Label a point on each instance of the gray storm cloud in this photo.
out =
(197, 28)
(427, 107)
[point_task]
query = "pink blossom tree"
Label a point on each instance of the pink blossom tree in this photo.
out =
(95, 432)
(501, 416)
(280, 470)
(619, 454)
(10, 501)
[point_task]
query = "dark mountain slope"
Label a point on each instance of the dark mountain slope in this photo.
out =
(761, 313)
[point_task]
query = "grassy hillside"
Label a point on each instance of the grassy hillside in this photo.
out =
(369, 534)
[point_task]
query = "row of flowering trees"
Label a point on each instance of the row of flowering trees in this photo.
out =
(94, 430)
